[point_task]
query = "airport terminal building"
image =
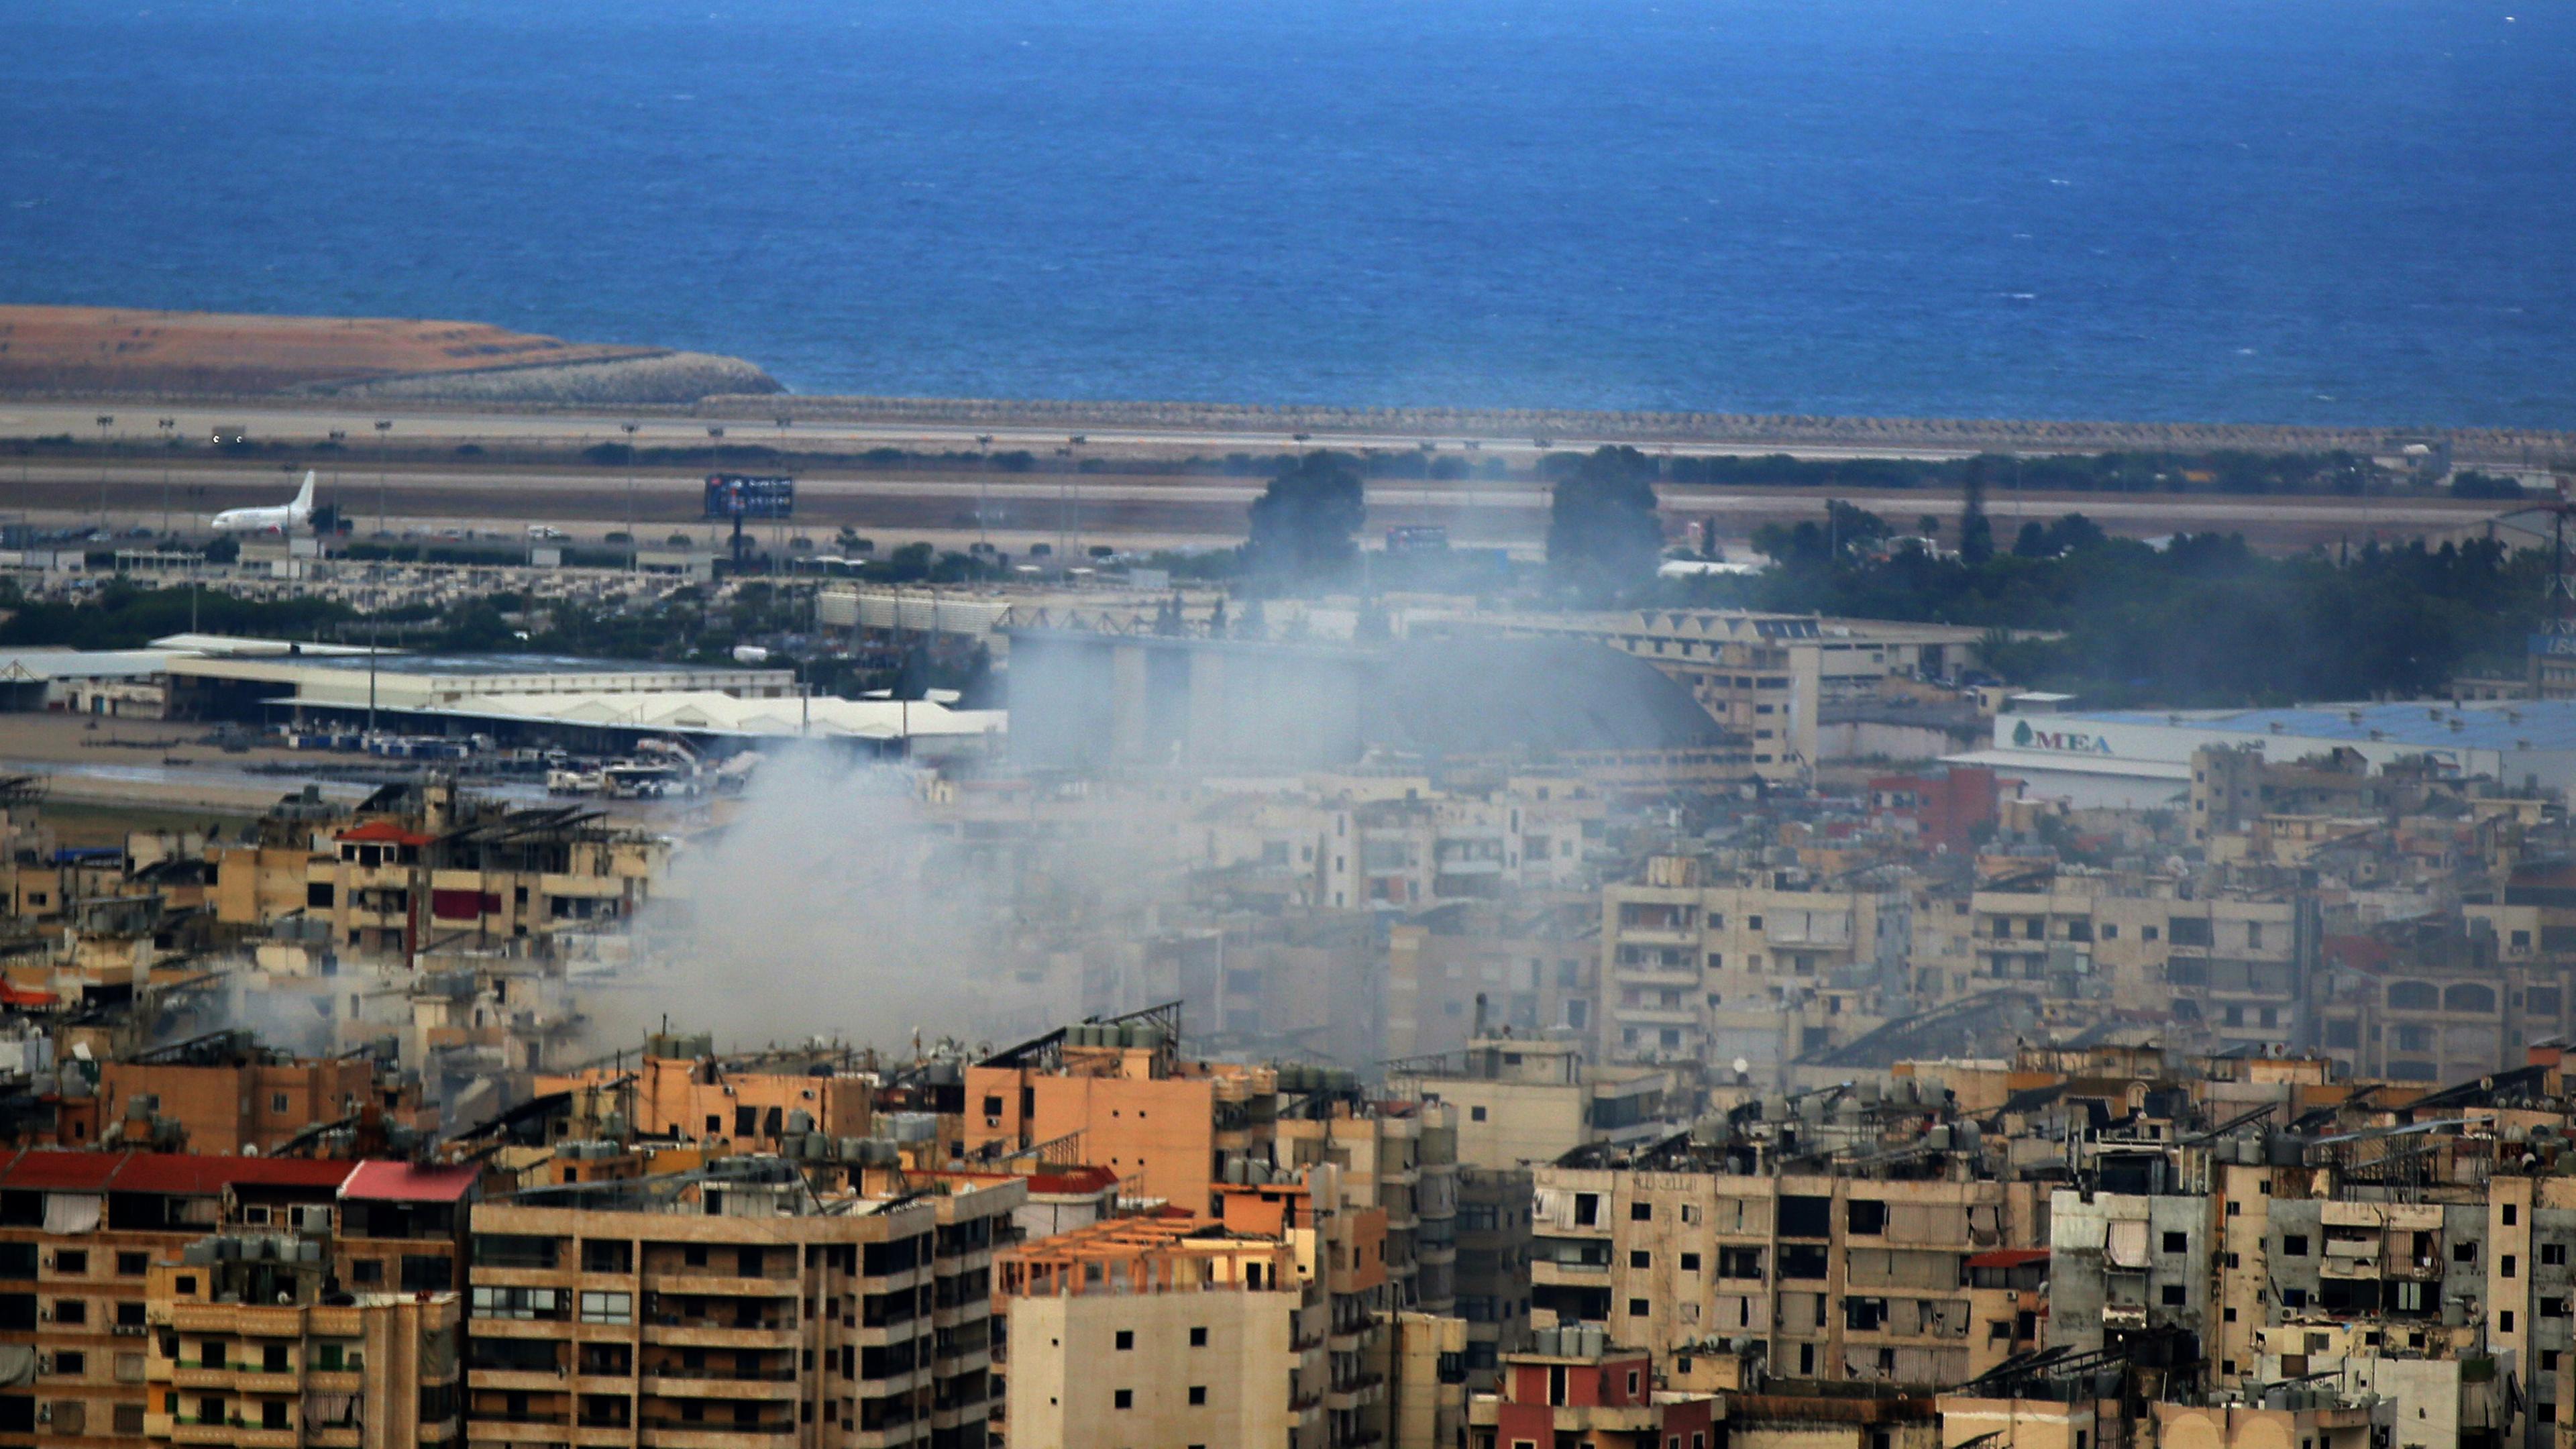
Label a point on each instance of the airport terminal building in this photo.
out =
(2141, 759)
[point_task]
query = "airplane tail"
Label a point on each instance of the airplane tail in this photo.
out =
(303, 504)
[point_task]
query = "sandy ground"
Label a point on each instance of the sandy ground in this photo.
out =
(137, 763)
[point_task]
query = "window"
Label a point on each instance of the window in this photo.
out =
(71, 1364)
(2504, 1320)
(607, 1308)
(71, 1262)
(1690, 1262)
(2171, 1295)
(1639, 1307)
(71, 1310)
(1126, 1339)
(2553, 1255)
(1123, 1399)
(132, 1265)
(2294, 1245)
(2512, 1213)
(277, 1104)
(2177, 1242)
(1475, 1114)
(1865, 1217)
(2504, 1265)
(1641, 1259)
(1198, 1336)
(1198, 1393)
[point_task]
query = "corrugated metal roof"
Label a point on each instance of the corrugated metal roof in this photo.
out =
(43, 1170)
(403, 1182)
(195, 1175)
(2508, 725)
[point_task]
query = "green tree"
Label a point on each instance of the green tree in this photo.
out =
(1304, 523)
(1603, 535)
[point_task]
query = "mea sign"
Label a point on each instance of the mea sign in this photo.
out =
(2024, 737)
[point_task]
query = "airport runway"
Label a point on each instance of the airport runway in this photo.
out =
(1015, 510)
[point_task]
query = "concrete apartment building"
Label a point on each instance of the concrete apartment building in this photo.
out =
(1843, 1278)
(2228, 969)
(1270, 1323)
(1456, 971)
(1586, 1391)
(1399, 1158)
(230, 1095)
(79, 1233)
(423, 866)
(1533, 1099)
(1493, 1267)
(1697, 967)
(1764, 677)
(250, 1345)
(1165, 1331)
(691, 1093)
(1164, 1124)
(728, 1312)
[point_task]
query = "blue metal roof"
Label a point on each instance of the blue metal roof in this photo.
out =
(2531, 725)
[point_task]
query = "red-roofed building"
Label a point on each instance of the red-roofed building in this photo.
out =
(79, 1232)
(404, 1227)
(1602, 1396)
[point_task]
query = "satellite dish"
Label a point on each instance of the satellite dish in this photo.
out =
(1742, 1066)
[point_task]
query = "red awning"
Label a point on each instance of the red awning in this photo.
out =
(2008, 1258)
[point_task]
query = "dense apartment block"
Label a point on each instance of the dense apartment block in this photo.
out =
(728, 1310)
(1699, 968)
(252, 1343)
(1843, 1273)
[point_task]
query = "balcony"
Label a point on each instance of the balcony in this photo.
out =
(707, 1384)
(717, 1436)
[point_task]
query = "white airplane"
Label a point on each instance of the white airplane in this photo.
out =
(258, 520)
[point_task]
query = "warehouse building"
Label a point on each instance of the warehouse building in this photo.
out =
(2142, 759)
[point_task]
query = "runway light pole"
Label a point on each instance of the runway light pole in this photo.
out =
(105, 422)
(632, 561)
(384, 428)
(169, 438)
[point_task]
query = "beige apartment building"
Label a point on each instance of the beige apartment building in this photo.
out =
(2227, 970)
(1533, 1099)
(1765, 677)
(1700, 968)
(1842, 1278)
(1160, 1331)
(246, 1348)
(1269, 1325)
(734, 1313)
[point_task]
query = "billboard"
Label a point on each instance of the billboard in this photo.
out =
(737, 495)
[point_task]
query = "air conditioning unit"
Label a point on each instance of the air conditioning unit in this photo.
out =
(44, 1315)
(44, 1413)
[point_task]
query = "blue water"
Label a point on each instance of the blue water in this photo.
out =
(2264, 210)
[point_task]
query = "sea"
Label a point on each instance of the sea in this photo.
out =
(2272, 211)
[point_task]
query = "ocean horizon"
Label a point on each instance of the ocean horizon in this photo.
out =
(2261, 211)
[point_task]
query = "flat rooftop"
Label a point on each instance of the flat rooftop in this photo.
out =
(2509, 726)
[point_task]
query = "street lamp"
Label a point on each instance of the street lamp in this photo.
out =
(105, 422)
(629, 430)
(169, 436)
(384, 426)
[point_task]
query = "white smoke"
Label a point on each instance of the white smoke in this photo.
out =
(821, 909)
